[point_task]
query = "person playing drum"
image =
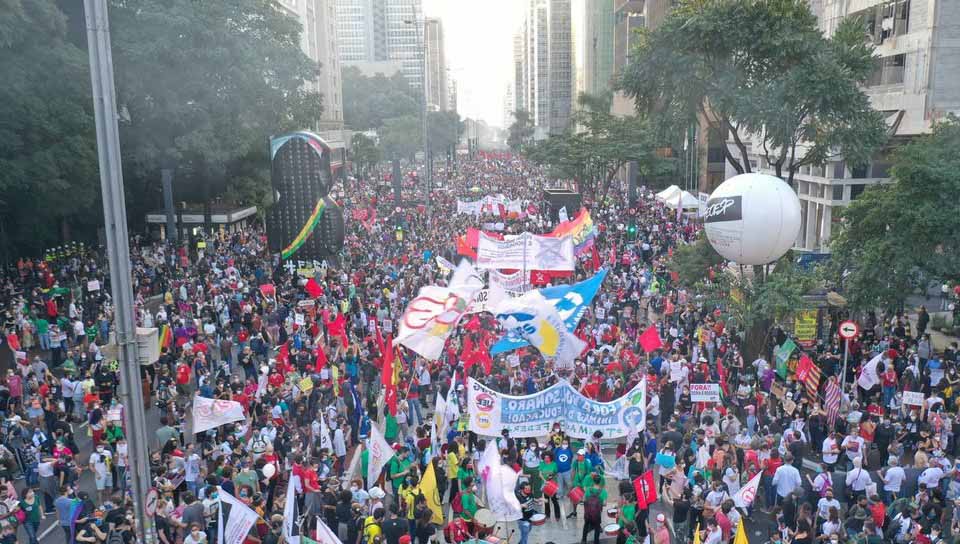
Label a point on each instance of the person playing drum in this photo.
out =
(626, 514)
(468, 500)
(548, 471)
(528, 504)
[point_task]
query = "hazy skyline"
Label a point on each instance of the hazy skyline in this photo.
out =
(478, 40)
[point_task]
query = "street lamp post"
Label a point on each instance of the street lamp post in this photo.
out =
(422, 43)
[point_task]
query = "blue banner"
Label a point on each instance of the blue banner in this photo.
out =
(571, 301)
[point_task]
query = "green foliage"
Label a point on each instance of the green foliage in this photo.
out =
(364, 153)
(445, 130)
(401, 137)
(520, 131)
(762, 71)
(692, 262)
(369, 101)
(594, 155)
(48, 161)
(897, 237)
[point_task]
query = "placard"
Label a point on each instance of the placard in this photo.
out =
(913, 398)
(805, 327)
(676, 371)
(93, 285)
(705, 392)
(777, 390)
(789, 406)
(305, 384)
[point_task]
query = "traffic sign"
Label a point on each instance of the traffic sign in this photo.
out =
(849, 330)
(151, 503)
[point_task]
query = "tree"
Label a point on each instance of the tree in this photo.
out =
(401, 137)
(205, 85)
(606, 144)
(365, 153)
(693, 262)
(369, 101)
(445, 130)
(900, 236)
(520, 131)
(760, 70)
(49, 181)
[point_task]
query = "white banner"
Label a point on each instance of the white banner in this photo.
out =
(499, 482)
(913, 398)
(518, 281)
(380, 454)
(431, 317)
(490, 204)
(235, 519)
(209, 414)
(324, 534)
(469, 208)
(526, 252)
(291, 527)
(704, 392)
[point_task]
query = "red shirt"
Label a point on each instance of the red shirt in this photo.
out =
(772, 465)
(183, 374)
(879, 512)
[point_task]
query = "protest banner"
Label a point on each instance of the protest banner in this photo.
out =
(913, 398)
(534, 415)
(705, 392)
(525, 252)
(210, 413)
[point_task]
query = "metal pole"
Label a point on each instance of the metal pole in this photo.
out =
(166, 179)
(115, 226)
(846, 353)
(427, 158)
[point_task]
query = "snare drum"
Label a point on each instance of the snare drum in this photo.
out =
(613, 512)
(612, 529)
(491, 540)
(538, 520)
(485, 519)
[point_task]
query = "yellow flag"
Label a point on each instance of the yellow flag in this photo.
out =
(428, 486)
(741, 537)
(696, 535)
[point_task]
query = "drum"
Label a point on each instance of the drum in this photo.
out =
(491, 540)
(550, 488)
(612, 529)
(538, 520)
(575, 495)
(484, 518)
(613, 512)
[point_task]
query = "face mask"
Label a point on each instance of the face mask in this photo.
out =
(354, 488)
(100, 450)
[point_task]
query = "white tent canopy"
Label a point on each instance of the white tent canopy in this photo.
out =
(669, 194)
(687, 200)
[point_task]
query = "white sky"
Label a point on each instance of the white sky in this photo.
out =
(479, 51)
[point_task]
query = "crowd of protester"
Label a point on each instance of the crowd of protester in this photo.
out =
(850, 465)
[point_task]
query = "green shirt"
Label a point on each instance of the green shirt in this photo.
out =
(92, 333)
(581, 474)
(249, 478)
(628, 512)
(397, 466)
(390, 428)
(69, 366)
(42, 326)
(548, 471)
(598, 491)
(462, 474)
(469, 503)
(365, 462)
(113, 433)
(31, 510)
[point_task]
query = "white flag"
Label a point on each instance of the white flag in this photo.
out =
(535, 319)
(747, 493)
(324, 534)
(234, 520)
(439, 423)
(563, 215)
(870, 376)
(431, 317)
(380, 454)
(499, 483)
(291, 523)
(452, 403)
(209, 414)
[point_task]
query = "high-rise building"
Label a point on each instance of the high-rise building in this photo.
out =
(319, 41)
(436, 66)
(509, 106)
(543, 65)
(914, 83)
(593, 23)
(451, 92)
(383, 30)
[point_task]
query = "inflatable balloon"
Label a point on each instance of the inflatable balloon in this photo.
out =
(752, 219)
(269, 470)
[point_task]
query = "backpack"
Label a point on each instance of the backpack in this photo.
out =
(115, 537)
(457, 503)
(592, 509)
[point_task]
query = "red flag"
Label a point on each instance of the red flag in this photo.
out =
(463, 248)
(313, 288)
(650, 339)
(386, 378)
(473, 324)
(804, 367)
(646, 490)
(596, 258)
(722, 372)
(321, 359)
(338, 327)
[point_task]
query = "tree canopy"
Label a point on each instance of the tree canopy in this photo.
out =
(520, 131)
(369, 101)
(760, 71)
(900, 236)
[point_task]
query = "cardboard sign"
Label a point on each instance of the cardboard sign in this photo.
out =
(913, 398)
(705, 392)
(676, 371)
(789, 406)
(777, 390)
(305, 384)
(93, 285)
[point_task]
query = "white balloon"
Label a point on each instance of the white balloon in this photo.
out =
(269, 470)
(752, 219)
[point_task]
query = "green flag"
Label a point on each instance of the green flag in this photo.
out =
(782, 354)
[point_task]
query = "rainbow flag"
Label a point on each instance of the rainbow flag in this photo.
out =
(582, 229)
(165, 336)
(306, 231)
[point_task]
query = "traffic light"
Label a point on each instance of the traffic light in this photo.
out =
(632, 231)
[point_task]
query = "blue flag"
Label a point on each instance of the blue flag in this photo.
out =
(571, 301)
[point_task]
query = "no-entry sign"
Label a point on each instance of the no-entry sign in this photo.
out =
(849, 330)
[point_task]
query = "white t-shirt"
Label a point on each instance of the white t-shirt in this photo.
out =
(100, 462)
(823, 507)
(893, 478)
(854, 446)
(829, 444)
(931, 477)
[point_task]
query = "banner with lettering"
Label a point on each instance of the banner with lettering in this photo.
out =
(525, 252)
(534, 415)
